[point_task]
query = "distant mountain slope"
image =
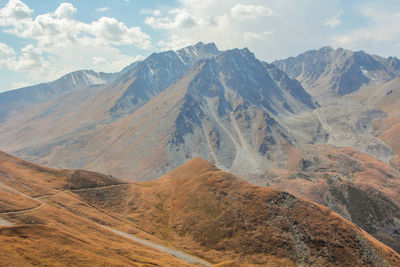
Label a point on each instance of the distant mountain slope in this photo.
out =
(24, 97)
(157, 72)
(385, 96)
(357, 186)
(339, 79)
(219, 217)
(69, 82)
(338, 72)
(224, 108)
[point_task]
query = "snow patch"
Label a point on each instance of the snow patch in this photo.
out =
(92, 79)
(73, 78)
(179, 56)
(366, 73)
(150, 69)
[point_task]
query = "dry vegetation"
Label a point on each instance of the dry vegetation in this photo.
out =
(219, 217)
(64, 231)
(196, 208)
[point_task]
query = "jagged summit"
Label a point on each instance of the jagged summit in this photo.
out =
(326, 49)
(330, 72)
(156, 73)
(238, 73)
(225, 106)
(209, 48)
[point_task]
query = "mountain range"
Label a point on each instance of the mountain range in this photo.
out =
(338, 72)
(323, 126)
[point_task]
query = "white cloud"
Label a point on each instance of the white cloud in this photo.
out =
(382, 32)
(7, 56)
(151, 12)
(61, 29)
(243, 12)
(175, 42)
(112, 31)
(274, 30)
(102, 9)
(335, 20)
(256, 36)
(31, 59)
(179, 18)
(60, 43)
(65, 10)
(99, 60)
(6, 52)
(198, 3)
(19, 85)
(14, 11)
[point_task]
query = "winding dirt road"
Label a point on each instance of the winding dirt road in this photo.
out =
(176, 253)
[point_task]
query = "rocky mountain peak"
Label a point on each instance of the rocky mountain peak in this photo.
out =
(330, 72)
(210, 48)
(326, 49)
(238, 72)
(156, 73)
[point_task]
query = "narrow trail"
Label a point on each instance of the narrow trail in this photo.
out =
(23, 210)
(97, 188)
(4, 222)
(176, 253)
(11, 189)
(173, 252)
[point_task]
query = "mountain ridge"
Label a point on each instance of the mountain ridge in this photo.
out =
(338, 72)
(96, 223)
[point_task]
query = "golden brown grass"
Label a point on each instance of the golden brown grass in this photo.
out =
(64, 231)
(197, 208)
(10, 201)
(219, 217)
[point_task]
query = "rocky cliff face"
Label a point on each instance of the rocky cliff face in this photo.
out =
(153, 75)
(224, 106)
(338, 72)
(230, 110)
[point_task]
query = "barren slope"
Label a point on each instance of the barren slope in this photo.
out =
(219, 217)
(225, 109)
(49, 225)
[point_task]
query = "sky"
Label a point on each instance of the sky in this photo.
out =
(42, 40)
